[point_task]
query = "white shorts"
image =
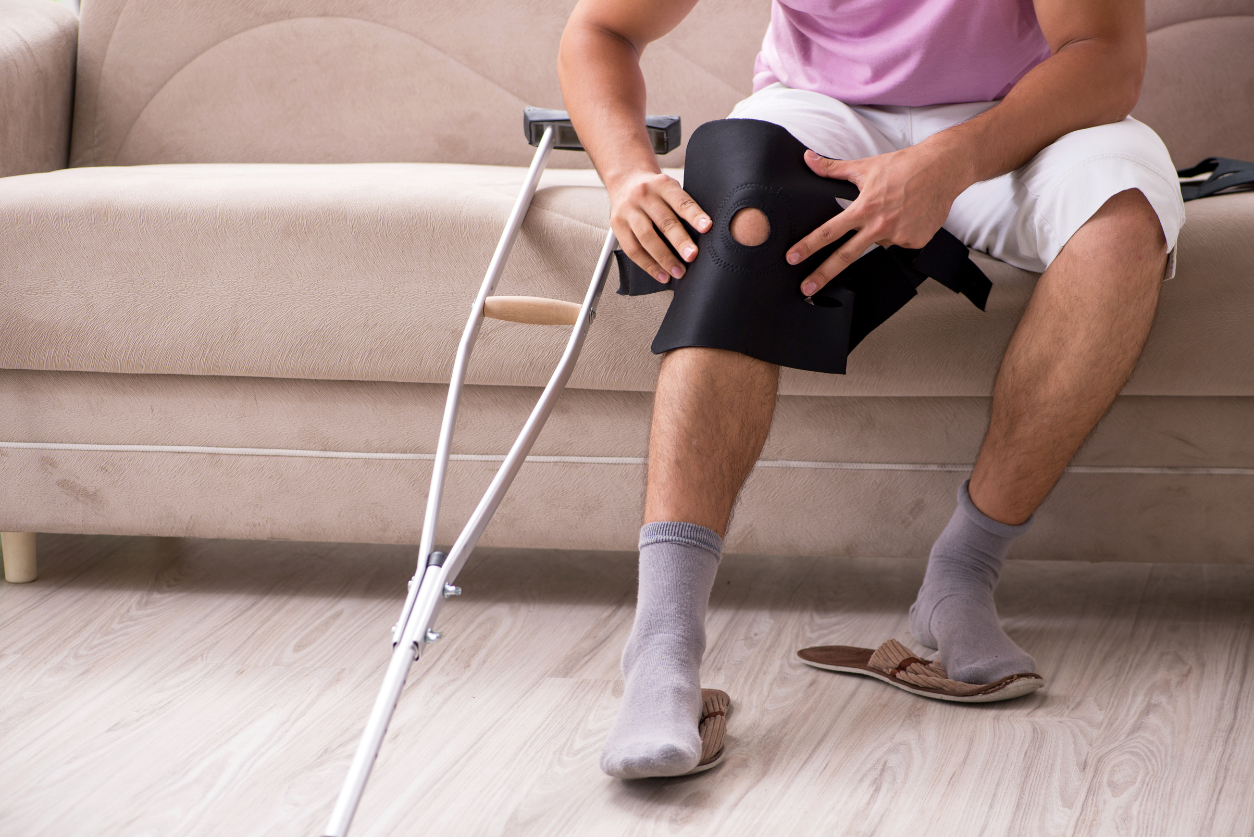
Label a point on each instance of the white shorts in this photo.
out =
(1023, 218)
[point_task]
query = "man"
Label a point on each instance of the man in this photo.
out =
(1004, 121)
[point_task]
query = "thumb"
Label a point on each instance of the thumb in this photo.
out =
(827, 167)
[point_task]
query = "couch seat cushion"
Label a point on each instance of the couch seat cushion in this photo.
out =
(366, 272)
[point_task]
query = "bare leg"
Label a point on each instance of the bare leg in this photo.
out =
(711, 415)
(710, 419)
(1074, 349)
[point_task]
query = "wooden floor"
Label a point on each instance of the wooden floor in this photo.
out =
(182, 687)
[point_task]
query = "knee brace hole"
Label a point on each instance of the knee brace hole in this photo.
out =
(750, 227)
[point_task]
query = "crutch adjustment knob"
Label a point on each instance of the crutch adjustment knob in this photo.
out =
(433, 635)
(451, 590)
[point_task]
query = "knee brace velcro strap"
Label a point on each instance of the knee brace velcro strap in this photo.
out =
(747, 299)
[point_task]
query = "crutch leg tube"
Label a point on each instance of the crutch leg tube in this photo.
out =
(433, 581)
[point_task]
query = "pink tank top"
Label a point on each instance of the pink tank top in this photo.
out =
(901, 52)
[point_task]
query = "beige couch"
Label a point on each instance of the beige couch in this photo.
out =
(232, 283)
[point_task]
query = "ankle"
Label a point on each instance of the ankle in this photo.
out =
(1004, 512)
(679, 648)
(678, 562)
(955, 611)
(685, 534)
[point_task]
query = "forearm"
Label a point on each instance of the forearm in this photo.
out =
(1084, 84)
(604, 93)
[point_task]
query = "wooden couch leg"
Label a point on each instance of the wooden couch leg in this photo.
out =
(19, 556)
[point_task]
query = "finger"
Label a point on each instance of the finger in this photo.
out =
(835, 169)
(823, 236)
(847, 254)
(646, 233)
(687, 207)
(666, 221)
(632, 247)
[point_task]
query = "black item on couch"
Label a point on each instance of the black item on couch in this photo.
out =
(1226, 176)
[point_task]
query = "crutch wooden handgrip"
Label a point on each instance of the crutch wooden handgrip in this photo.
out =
(532, 310)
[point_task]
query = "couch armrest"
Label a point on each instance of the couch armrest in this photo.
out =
(38, 48)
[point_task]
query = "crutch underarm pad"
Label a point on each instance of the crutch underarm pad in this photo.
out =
(747, 299)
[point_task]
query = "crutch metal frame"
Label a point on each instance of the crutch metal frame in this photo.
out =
(436, 572)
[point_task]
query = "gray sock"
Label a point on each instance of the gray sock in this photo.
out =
(655, 733)
(954, 612)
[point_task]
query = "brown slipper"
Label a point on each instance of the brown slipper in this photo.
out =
(715, 704)
(893, 663)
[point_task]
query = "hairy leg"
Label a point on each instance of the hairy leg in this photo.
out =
(1074, 349)
(711, 416)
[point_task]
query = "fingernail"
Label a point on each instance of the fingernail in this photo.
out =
(808, 289)
(677, 271)
(689, 252)
(810, 155)
(703, 223)
(663, 278)
(794, 257)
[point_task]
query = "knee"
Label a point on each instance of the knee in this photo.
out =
(718, 366)
(750, 227)
(1126, 235)
(1134, 221)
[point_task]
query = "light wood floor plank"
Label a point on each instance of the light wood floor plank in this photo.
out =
(169, 687)
(1188, 669)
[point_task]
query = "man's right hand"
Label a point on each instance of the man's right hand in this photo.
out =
(599, 67)
(646, 202)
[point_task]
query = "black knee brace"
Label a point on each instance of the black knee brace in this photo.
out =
(748, 299)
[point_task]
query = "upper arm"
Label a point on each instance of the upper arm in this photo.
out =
(635, 21)
(1119, 24)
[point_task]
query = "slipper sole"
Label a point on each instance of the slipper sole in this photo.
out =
(717, 758)
(701, 768)
(1008, 688)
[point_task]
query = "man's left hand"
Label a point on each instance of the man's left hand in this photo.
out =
(905, 197)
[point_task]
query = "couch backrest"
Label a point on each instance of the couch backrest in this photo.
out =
(363, 80)
(1199, 82)
(369, 81)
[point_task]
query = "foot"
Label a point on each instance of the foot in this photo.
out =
(656, 732)
(968, 636)
(954, 612)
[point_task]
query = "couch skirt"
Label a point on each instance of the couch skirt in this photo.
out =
(1162, 479)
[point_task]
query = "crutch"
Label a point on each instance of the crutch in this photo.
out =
(433, 580)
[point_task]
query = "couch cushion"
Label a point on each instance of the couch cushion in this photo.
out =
(366, 272)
